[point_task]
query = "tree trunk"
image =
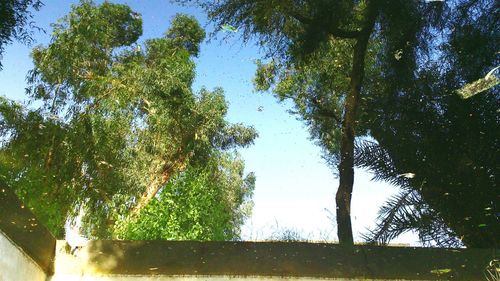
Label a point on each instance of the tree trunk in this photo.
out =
(178, 163)
(157, 183)
(346, 165)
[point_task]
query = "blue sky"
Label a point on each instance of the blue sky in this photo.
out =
(295, 189)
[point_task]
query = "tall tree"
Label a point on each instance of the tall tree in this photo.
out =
(16, 21)
(312, 60)
(318, 53)
(117, 121)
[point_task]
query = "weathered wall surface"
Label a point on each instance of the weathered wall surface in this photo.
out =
(198, 278)
(192, 278)
(26, 246)
(28, 252)
(15, 265)
(190, 260)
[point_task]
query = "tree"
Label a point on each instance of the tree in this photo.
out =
(201, 203)
(16, 17)
(318, 53)
(447, 143)
(317, 57)
(117, 121)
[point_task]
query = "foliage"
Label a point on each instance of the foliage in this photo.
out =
(319, 53)
(116, 121)
(203, 203)
(318, 88)
(416, 55)
(407, 211)
(448, 143)
(186, 32)
(16, 21)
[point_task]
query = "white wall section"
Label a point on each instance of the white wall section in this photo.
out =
(15, 265)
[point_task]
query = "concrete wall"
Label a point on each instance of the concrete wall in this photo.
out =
(28, 252)
(191, 260)
(26, 246)
(15, 265)
(196, 278)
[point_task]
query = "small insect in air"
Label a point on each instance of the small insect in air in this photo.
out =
(260, 108)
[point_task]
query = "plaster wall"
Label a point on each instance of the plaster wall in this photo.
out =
(29, 252)
(15, 265)
(80, 264)
(172, 261)
(193, 278)
(74, 266)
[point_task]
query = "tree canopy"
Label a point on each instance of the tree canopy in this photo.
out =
(114, 132)
(423, 126)
(352, 67)
(318, 52)
(202, 203)
(16, 23)
(118, 126)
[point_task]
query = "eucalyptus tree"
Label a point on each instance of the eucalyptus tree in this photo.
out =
(207, 202)
(116, 120)
(318, 53)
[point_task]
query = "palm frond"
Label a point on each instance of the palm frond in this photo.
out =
(371, 156)
(395, 218)
(406, 212)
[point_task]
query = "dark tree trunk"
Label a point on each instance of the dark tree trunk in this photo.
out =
(346, 165)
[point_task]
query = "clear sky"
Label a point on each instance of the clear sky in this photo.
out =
(295, 189)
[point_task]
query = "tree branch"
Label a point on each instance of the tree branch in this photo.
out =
(322, 111)
(334, 31)
(346, 34)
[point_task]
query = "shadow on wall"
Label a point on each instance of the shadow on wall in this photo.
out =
(285, 259)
